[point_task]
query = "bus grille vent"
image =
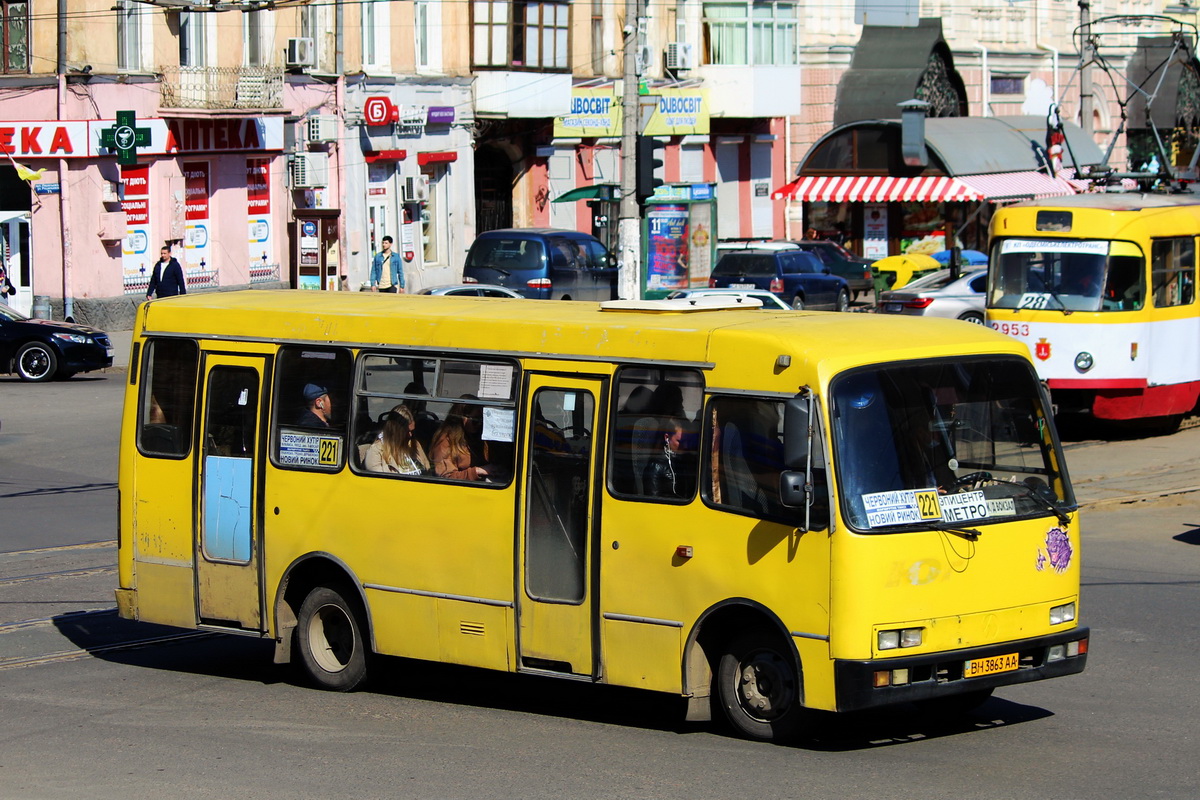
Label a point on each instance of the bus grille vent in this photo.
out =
(471, 628)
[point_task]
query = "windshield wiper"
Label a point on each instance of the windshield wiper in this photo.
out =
(970, 534)
(1046, 287)
(1032, 490)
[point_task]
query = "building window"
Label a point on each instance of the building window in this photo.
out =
(375, 26)
(598, 49)
(1008, 84)
(755, 32)
(520, 34)
(129, 35)
(14, 19)
(433, 248)
(311, 27)
(258, 27)
(193, 39)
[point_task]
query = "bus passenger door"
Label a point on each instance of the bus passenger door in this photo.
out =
(556, 608)
(228, 548)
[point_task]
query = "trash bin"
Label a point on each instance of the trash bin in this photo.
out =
(41, 306)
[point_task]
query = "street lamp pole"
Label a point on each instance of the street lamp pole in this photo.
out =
(1086, 56)
(629, 232)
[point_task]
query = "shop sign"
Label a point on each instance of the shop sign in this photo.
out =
(258, 218)
(593, 112)
(46, 139)
(136, 259)
(440, 115)
(678, 112)
(195, 213)
(379, 110)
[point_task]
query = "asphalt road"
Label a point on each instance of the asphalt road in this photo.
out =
(94, 706)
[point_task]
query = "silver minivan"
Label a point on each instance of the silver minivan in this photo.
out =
(543, 264)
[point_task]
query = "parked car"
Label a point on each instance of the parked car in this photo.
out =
(769, 301)
(797, 277)
(471, 290)
(543, 263)
(857, 271)
(40, 349)
(936, 295)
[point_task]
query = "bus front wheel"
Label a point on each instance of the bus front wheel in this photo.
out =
(758, 687)
(330, 638)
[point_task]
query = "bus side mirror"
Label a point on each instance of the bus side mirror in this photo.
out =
(797, 426)
(793, 489)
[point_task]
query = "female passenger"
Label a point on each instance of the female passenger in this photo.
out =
(396, 450)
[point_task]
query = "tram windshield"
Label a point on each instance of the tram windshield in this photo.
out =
(1066, 275)
(948, 441)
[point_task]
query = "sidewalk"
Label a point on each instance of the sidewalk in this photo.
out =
(121, 341)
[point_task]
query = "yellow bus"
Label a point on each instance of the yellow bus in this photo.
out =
(760, 511)
(1101, 289)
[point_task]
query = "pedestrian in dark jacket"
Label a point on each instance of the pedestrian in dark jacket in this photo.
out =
(167, 279)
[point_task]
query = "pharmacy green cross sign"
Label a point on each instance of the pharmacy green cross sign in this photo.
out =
(125, 137)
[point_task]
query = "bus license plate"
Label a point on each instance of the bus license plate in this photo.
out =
(978, 667)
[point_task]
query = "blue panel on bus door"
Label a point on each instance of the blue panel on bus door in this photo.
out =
(227, 491)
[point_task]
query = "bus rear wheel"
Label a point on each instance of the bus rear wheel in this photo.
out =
(329, 633)
(759, 689)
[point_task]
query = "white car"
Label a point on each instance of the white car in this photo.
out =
(472, 290)
(936, 295)
(769, 301)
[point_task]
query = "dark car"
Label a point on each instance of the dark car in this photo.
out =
(543, 264)
(856, 271)
(39, 349)
(796, 277)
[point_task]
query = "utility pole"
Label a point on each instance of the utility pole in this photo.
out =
(629, 232)
(1086, 56)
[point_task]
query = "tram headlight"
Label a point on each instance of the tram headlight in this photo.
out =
(1084, 361)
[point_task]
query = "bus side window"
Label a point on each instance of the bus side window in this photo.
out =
(311, 407)
(168, 397)
(1124, 289)
(654, 446)
(745, 455)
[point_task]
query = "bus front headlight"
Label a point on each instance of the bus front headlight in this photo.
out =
(907, 637)
(1084, 361)
(1063, 613)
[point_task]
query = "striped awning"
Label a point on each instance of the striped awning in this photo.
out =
(883, 189)
(875, 189)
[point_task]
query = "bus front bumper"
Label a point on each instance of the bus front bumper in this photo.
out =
(885, 681)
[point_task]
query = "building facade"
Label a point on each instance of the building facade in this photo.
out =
(275, 145)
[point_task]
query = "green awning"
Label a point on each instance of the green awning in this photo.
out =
(597, 191)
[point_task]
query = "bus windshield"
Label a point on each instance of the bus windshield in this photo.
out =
(1065, 275)
(955, 442)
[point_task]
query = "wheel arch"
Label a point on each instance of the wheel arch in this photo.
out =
(301, 577)
(717, 625)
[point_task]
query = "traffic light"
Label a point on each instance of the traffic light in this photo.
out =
(649, 166)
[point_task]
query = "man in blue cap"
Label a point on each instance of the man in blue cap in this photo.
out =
(318, 406)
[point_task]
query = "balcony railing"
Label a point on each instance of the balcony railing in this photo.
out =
(222, 87)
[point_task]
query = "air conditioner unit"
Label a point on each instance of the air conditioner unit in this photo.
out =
(322, 128)
(301, 52)
(644, 58)
(680, 56)
(416, 189)
(310, 170)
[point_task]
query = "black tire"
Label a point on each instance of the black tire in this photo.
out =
(843, 301)
(759, 689)
(972, 316)
(329, 641)
(797, 303)
(36, 362)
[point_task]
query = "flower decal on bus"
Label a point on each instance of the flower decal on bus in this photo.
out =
(1058, 550)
